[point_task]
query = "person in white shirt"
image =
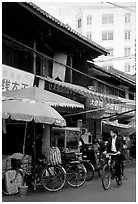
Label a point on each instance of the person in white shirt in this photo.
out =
(115, 145)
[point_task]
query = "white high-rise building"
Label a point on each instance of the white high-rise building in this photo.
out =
(112, 26)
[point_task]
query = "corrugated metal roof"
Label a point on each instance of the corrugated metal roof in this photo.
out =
(66, 27)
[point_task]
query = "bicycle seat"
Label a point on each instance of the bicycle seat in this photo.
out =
(85, 160)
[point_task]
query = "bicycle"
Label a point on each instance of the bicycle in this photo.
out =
(89, 154)
(109, 172)
(75, 171)
(100, 163)
(89, 167)
(50, 177)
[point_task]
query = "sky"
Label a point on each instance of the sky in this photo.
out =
(66, 11)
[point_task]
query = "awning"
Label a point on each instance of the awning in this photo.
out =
(35, 93)
(116, 124)
(123, 130)
(127, 101)
(98, 99)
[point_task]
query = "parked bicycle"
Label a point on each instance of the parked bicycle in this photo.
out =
(94, 158)
(109, 172)
(87, 164)
(75, 171)
(50, 177)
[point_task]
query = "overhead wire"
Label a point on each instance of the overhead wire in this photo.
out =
(53, 60)
(118, 114)
(123, 7)
(84, 112)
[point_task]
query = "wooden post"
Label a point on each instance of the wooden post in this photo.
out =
(34, 58)
(70, 70)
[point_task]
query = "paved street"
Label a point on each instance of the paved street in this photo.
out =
(91, 191)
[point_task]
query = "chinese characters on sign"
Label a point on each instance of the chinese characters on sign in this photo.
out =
(98, 103)
(57, 88)
(13, 79)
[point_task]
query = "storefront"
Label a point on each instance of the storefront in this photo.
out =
(37, 135)
(96, 105)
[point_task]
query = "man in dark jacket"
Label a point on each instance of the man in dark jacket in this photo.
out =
(115, 145)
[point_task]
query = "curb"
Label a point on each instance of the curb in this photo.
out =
(129, 161)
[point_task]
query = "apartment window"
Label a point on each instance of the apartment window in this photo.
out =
(107, 19)
(127, 18)
(111, 51)
(107, 36)
(108, 66)
(127, 67)
(89, 35)
(79, 22)
(127, 34)
(127, 51)
(89, 20)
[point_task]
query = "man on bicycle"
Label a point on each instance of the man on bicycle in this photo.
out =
(115, 145)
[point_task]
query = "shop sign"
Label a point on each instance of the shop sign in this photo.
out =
(112, 106)
(124, 109)
(98, 103)
(57, 88)
(13, 78)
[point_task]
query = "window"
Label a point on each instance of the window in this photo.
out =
(89, 20)
(127, 67)
(131, 96)
(111, 51)
(107, 19)
(108, 66)
(127, 18)
(127, 51)
(89, 35)
(79, 22)
(127, 35)
(107, 36)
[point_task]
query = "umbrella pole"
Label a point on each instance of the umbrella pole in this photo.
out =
(34, 147)
(24, 149)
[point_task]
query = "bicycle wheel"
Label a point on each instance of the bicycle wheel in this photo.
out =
(90, 170)
(100, 170)
(106, 177)
(11, 181)
(36, 179)
(53, 178)
(76, 174)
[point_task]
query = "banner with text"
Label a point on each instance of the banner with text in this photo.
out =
(13, 78)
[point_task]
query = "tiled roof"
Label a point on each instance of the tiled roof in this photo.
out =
(66, 27)
(116, 73)
(122, 74)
